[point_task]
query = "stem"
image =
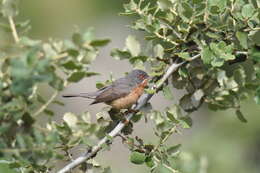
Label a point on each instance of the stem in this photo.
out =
(14, 32)
(141, 102)
(46, 104)
(166, 166)
(172, 130)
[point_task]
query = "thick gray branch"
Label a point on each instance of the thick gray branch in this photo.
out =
(141, 102)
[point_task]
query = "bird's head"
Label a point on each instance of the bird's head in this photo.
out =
(138, 76)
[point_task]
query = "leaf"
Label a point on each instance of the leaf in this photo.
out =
(9, 7)
(137, 158)
(173, 149)
(99, 43)
(164, 4)
(167, 92)
(240, 116)
(242, 37)
(58, 102)
(149, 162)
(133, 45)
(77, 39)
(198, 94)
(76, 76)
(186, 122)
(107, 170)
(86, 117)
(29, 42)
(130, 6)
(89, 74)
(173, 113)
(184, 55)
(119, 54)
(71, 119)
(206, 55)
(247, 11)
(72, 52)
(71, 65)
(186, 103)
(254, 53)
(49, 112)
(158, 51)
(240, 76)
(257, 95)
(100, 85)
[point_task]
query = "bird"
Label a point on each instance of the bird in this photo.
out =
(122, 93)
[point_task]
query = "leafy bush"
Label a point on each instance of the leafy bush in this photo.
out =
(222, 35)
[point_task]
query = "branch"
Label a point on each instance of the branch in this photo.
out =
(14, 32)
(141, 102)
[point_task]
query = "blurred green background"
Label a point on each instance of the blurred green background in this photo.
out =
(218, 140)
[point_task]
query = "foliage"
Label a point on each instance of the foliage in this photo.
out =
(224, 33)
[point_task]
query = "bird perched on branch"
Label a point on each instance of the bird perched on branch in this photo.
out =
(122, 93)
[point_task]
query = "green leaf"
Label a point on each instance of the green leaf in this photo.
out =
(150, 91)
(257, 95)
(242, 37)
(9, 8)
(137, 158)
(99, 43)
(186, 122)
(164, 4)
(71, 65)
(186, 103)
(76, 76)
(149, 162)
(77, 39)
(130, 6)
(256, 37)
(107, 170)
(29, 42)
(58, 103)
(100, 85)
(184, 55)
(173, 149)
(240, 116)
(120, 54)
(173, 113)
(49, 112)
(89, 74)
(158, 51)
(247, 11)
(167, 92)
(207, 55)
(254, 53)
(71, 119)
(133, 45)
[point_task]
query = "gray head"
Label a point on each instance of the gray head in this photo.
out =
(138, 76)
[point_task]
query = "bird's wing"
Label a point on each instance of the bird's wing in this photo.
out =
(120, 88)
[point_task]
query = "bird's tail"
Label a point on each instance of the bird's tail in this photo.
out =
(84, 95)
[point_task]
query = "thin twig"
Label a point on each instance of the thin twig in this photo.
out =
(141, 102)
(43, 107)
(171, 131)
(166, 166)
(12, 25)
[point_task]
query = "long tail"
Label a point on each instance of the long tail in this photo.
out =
(84, 95)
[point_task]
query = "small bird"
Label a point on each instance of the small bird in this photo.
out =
(122, 93)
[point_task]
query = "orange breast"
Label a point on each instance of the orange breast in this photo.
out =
(127, 101)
